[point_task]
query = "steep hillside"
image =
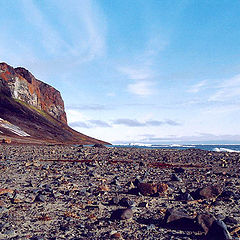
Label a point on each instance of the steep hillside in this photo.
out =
(33, 112)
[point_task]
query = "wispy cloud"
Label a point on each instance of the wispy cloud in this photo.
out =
(49, 37)
(99, 123)
(73, 33)
(197, 87)
(150, 123)
(79, 124)
(89, 124)
(142, 84)
(136, 73)
(88, 13)
(172, 123)
(109, 107)
(128, 122)
(222, 108)
(75, 116)
(111, 94)
(155, 45)
(141, 88)
(227, 90)
(78, 120)
(141, 70)
(201, 137)
(93, 107)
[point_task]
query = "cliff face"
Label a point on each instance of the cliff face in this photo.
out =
(32, 112)
(20, 84)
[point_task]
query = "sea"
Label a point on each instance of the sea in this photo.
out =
(210, 147)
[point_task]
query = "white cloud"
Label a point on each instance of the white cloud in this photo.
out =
(142, 67)
(223, 109)
(155, 45)
(228, 90)
(136, 73)
(149, 123)
(232, 82)
(200, 137)
(96, 44)
(197, 87)
(74, 33)
(111, 94)
(47, 35)
(75, 116)
(141, 88)
(87, 107)
(77, 120)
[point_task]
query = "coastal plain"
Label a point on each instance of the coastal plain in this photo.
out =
(76, 192)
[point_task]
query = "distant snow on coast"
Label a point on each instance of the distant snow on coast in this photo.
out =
(224, 150)
(140, 144)
(207, 147)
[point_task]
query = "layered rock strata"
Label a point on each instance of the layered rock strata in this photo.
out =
(20, 84)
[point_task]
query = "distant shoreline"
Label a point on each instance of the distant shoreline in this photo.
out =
(207, 147)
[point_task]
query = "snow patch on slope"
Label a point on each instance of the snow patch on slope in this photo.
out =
(14, 129)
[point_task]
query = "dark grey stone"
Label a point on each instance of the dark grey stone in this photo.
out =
(218, 231)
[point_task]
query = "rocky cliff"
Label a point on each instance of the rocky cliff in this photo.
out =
(32, 112)
(20, 84)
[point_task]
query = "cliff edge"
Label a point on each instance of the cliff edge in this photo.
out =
(25, 87)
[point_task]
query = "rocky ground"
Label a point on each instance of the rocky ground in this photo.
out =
(74, 192)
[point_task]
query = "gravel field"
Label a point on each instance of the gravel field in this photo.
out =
(75, 192)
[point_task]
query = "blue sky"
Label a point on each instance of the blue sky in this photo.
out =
(134, 70)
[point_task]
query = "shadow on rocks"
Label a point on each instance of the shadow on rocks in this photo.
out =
(181, 224)
(133, 191)
(183, 236)
(148, 221)
(178, 220)
(122, 214)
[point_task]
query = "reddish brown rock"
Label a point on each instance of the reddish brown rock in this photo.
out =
(211, 191)
(162, 188)
(6, 140)
(22, 85)
(147, 189)
(116, 235)
(103, 188)
(150, 189)
(5, 190)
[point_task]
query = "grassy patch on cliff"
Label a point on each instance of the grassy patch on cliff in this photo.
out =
(39, 111)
